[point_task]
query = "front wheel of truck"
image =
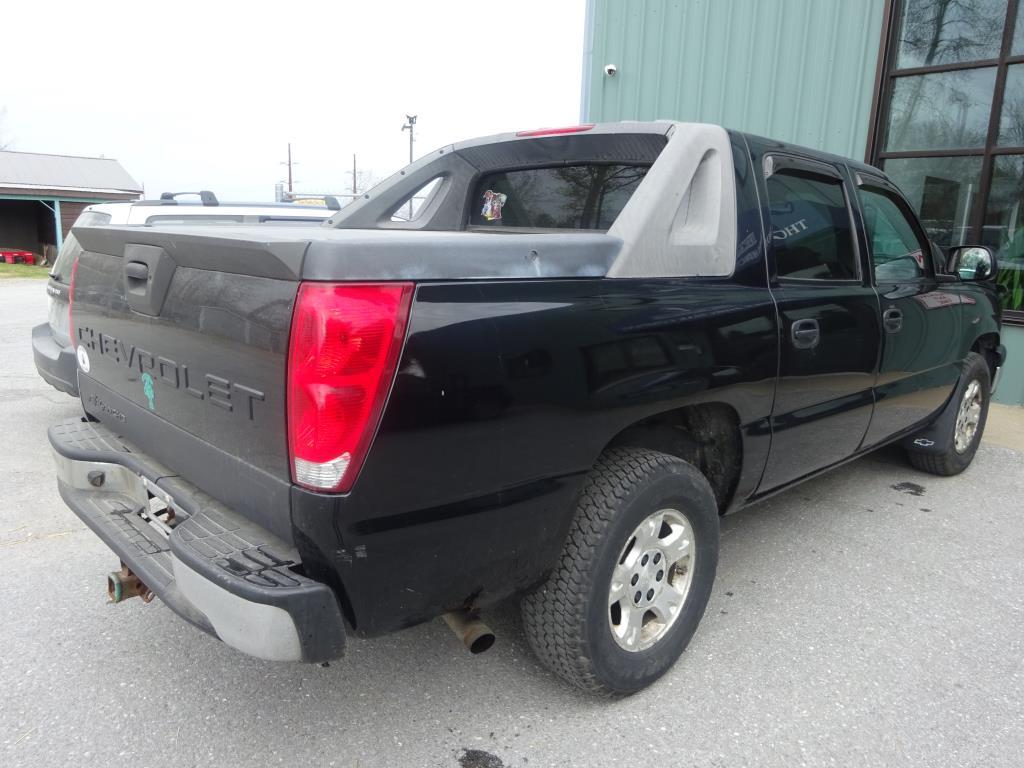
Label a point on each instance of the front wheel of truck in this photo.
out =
(634, 577)
(971, 400)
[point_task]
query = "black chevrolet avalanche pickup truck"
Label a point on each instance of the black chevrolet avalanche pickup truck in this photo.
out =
(583, 347)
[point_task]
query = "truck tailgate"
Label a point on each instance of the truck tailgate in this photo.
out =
(182, 345)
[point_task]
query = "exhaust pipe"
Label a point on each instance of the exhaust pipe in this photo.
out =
(474, 634)
(123, 584)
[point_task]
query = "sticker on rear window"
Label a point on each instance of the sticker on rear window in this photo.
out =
(493, 202)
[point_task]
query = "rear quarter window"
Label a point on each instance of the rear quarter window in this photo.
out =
(585, 196)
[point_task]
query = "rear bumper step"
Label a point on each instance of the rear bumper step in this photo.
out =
(211, 566)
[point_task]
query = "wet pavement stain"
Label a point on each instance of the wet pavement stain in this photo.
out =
(912, 488)
(478, 758)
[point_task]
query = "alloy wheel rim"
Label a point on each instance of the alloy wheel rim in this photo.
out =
(651, 580)
(967, 417)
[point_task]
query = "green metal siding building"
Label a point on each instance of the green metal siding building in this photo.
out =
(796, 70)
(921, 88)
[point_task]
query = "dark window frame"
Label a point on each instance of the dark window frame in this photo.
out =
(885, 76)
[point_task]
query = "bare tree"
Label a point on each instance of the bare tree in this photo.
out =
(366, 180)
(586, 188)
(947, 31)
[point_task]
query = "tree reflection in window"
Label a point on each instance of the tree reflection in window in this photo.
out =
(589, 188)
(941, 110)
(934, 32)
(584, 196)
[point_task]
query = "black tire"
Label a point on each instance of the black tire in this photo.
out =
(567, 619)
(953, 462)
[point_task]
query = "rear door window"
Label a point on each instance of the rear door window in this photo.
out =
(812, 235)
(588, 196)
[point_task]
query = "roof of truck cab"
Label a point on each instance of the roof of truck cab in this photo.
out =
(657, 127)
(785, 146)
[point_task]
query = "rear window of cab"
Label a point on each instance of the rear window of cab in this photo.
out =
(586, 196)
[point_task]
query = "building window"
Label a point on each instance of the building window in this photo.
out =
(949, 128)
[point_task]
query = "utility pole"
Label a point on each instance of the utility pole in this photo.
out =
(354, 190)
(289, 164)
(410, 126)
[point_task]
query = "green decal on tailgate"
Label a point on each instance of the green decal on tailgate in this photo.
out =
(147, 387)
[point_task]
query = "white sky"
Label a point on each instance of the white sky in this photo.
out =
(191, 95)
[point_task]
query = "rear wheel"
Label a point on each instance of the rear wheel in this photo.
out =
(972, 398)
(634, 578)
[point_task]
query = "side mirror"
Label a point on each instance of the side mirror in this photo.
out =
(972, 262)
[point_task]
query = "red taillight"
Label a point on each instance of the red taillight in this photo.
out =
(71, 304)
(342, 355)
(556, 131)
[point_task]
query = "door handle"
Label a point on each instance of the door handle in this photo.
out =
(892, 319)
(136, 270)
(805, 334)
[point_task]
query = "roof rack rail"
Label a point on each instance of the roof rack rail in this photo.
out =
(331, 202)
(205, 196)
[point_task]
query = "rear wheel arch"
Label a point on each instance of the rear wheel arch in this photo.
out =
(706, 435)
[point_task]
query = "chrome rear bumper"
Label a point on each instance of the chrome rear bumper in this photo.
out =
(210, 565)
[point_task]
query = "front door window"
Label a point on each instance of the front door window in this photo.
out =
(897, 253)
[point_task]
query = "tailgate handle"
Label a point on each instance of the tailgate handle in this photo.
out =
(148, 271)
(136, 270)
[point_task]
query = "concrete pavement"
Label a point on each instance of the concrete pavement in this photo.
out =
(1005, 426)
